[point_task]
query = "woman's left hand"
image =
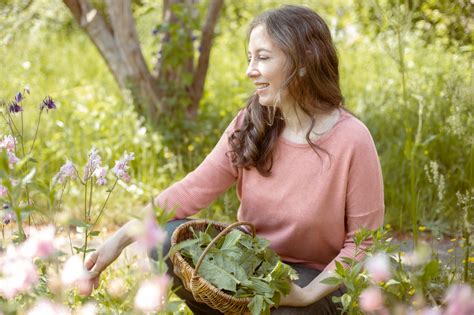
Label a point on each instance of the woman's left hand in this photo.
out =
(297, 297)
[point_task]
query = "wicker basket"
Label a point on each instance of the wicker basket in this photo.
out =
(202, 290)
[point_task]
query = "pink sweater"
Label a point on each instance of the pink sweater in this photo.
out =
(309, 208)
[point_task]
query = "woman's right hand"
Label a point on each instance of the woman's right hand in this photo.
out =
(109, 251)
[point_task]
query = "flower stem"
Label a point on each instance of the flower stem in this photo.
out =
(105, 203)
(36, 132)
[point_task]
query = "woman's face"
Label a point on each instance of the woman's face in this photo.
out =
(267, 68)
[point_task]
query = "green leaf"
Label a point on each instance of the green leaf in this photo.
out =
(79, 223)
(346, 300)
(256, 305)
(187, 243)
(331, 281)
(94, 233)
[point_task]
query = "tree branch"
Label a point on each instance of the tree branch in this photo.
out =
(197, 87)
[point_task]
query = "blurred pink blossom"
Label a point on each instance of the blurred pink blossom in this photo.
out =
(151, 235)
(40, 243)
(121, 167)
(44, 306)
(3, 191)
(378, 267)
(431, 311)
(151, 295)
(19, 273)
(74, 274)
(460, 300)
(116, 288)
(371, 300)
(87, 309)
(12, 159)
(8, 143)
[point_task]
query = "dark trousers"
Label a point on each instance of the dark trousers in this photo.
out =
(306, 275)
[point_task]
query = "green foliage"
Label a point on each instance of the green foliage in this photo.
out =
(241, 266)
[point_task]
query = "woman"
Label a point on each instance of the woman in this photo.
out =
(307, 172)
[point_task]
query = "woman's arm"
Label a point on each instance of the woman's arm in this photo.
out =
(311, 293)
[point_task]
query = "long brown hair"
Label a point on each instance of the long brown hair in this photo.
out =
(305, 39)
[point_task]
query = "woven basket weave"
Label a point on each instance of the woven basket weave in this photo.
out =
(202, 290)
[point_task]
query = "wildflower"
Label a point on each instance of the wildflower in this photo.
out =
(459, 300)
(116, 288)
(44, 306)
(100, 173)
(48, 103)
(152, 294)
(378, 267)
(3, 191)
(40, 243)
(93, 162)
(121, 167)
(19, 97)
(422, 228)
(371, 300)
(87, 309)
(73, 271)
(12, 159)
(68, 170)
(19, 273)
(8, 217)
(8, 143)
(15, 108)
(151, 235)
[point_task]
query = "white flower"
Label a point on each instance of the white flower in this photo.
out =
(152, 294)
(378, 267)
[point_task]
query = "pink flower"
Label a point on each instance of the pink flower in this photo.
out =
(431, 311)
(3, 191)
(121, 167)
(44, 306)
(8, 143)
(151, 235)
(378, 267)
(40, 243)
(151, 295)
(459, 300)
(74, 273)
(8, 217)
(100, 173)
(87, 309)
(93, 162)
(116, 288)
(19, 273)
(371, 300)
(12, 159)
(68, 170)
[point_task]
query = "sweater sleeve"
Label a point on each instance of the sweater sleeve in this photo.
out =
(364, 195)
(203, 185)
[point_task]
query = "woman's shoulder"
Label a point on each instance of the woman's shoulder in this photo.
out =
(352, 129)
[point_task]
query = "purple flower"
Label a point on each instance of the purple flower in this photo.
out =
(93, 162)
(8, 143)
(3, 191)
(15, 108)
(48, 103)
(100, 173)
(68, 170)
(12, 159)
(121, 167)
(19, 97)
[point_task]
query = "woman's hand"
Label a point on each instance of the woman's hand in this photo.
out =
(298, 296)
(100, 259)
(109, 251)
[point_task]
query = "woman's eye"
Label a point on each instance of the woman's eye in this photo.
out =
(263, 57)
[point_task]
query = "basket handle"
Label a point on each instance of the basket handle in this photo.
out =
(221, 234)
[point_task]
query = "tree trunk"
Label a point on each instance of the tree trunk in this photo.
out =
(118, 44)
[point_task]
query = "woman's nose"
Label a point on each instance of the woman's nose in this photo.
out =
(251, 71)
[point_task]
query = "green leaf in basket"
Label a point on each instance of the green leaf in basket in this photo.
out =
(224, 278)
(256, 305)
